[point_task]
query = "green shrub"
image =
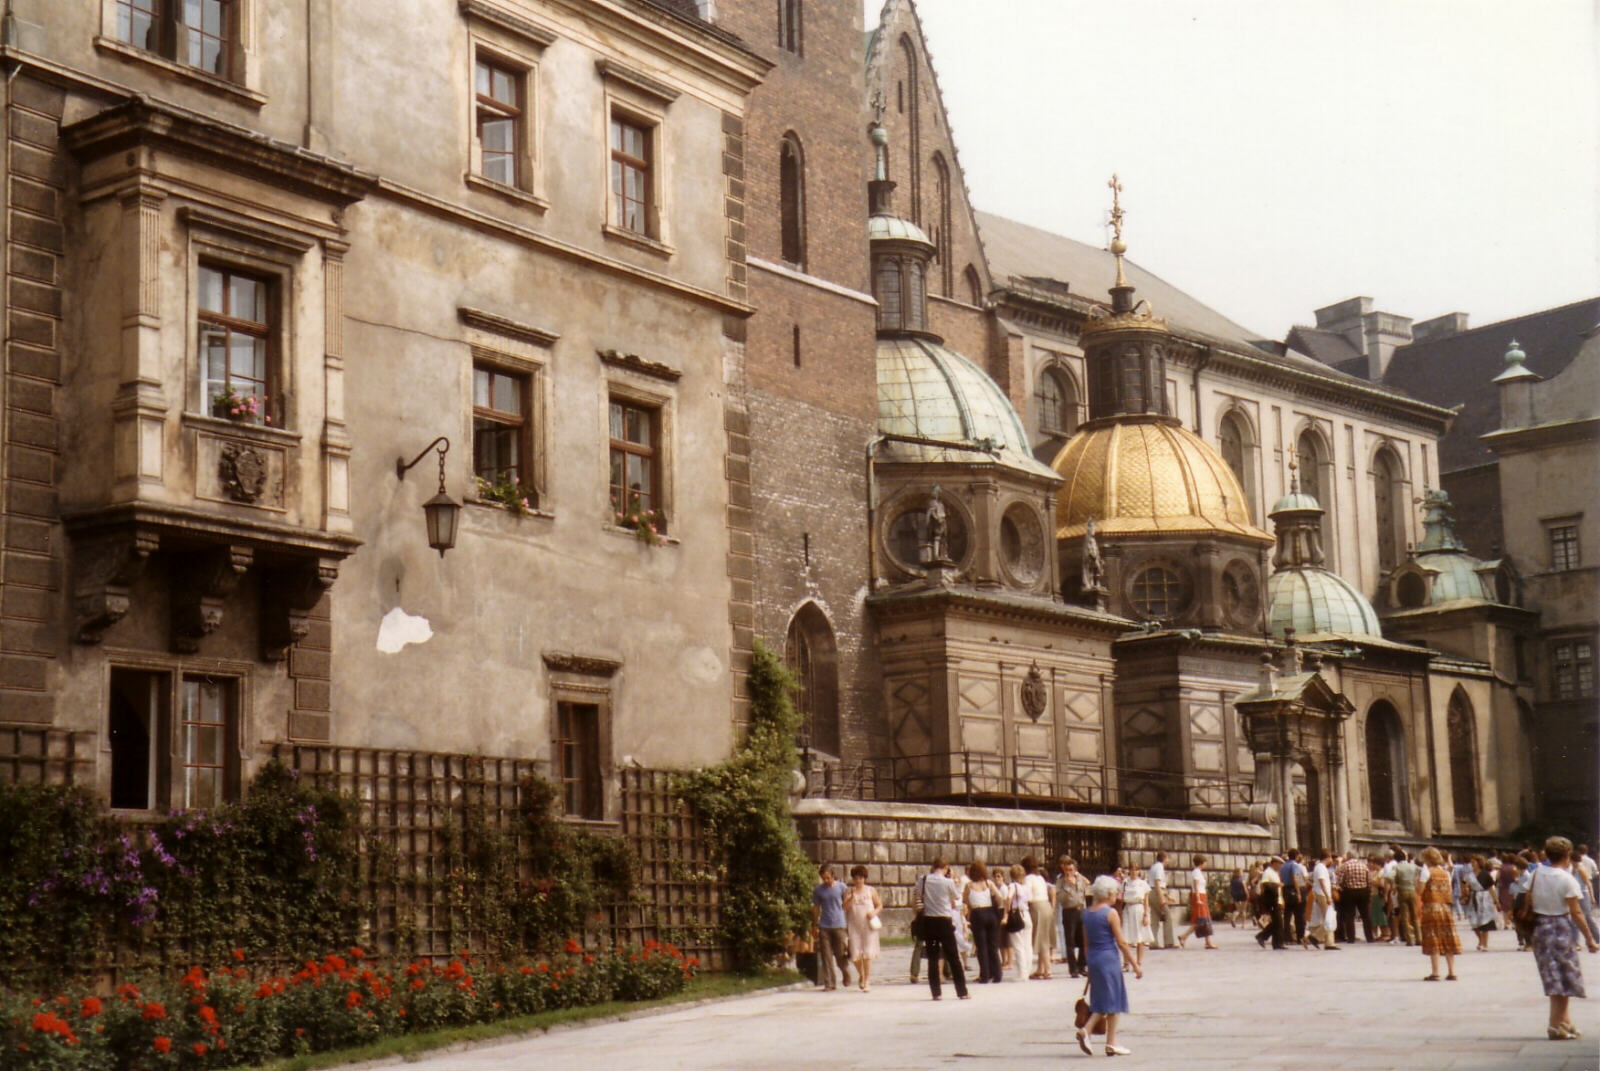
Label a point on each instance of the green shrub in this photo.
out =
(744, 805)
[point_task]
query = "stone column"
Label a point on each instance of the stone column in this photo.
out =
(1283, 768)
(1341, 795)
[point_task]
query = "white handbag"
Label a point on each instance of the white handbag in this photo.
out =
(875, 923)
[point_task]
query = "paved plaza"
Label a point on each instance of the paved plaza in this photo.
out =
(1240, 1006)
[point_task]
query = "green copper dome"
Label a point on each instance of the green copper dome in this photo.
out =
(1314, 601)
(929, 391)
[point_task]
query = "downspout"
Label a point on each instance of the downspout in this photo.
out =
(1201, 362)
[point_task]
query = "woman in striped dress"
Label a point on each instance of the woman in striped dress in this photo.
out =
(1435, 916)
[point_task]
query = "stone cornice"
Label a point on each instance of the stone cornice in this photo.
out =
(632, 362)
(944, 813)
(506, 327)
(586, 665)
(699, 46)
(141, 121)
(182, 524)
(501, 19)
(1536, 436)
(999, 605)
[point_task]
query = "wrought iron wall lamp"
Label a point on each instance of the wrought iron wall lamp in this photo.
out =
(441, 512)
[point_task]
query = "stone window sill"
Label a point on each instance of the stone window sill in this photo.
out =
(500, 507)
(261, 432)
(643, 241)
(617, 529)
(510, 193)
(210, 82)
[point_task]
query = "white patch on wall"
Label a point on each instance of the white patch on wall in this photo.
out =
(702, 665)
(399, 628)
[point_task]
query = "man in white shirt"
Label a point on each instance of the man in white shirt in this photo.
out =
(1160, 902)
(1321, 898)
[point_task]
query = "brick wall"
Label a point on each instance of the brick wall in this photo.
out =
(30, 542)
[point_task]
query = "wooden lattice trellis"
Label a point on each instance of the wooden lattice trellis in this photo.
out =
(40, 755)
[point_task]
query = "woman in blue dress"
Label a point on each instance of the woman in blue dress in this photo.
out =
(1106, 954)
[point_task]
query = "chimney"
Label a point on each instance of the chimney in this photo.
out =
(706, 9)
(1376, 335)
(1451, 323)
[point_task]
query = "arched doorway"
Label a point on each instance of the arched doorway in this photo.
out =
(1307, 787)
(812, 656)
(1386, 763)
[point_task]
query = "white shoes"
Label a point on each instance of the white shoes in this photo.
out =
(1118, 1050)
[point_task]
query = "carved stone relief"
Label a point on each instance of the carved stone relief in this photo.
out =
(201, 584)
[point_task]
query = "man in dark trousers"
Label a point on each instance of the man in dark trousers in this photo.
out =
(940, 906)
(1354, 879)
(828, 925)
(1295, 883)
(1072, 888)
(1271, 903)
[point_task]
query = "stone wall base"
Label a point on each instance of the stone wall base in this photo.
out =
(898, 841)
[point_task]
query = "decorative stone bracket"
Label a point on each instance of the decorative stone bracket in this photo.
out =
(201, 583)
(288, 595)
(106, 570)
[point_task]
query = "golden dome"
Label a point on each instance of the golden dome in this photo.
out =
(1147, 475)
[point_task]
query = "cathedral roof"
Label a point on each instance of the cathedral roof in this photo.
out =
(1460, 368)
(1147, 475)
(1314, 601)
(928, 391)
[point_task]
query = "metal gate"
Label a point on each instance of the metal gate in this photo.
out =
(1096, 850)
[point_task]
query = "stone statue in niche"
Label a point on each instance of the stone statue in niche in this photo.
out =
(243, 471)
(1035, 695)
(1094, 566)
(936, 542)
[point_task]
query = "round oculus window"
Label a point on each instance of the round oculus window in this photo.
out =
(1159, 592)
(1241, 593)
(1022, 544)
(908, 536)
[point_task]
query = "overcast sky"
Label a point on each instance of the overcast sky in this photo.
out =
(1435, 155)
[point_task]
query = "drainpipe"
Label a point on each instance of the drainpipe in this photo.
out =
(1201, 362)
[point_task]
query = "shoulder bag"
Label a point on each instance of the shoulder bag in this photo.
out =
(1522, 915)
(1081, 1013)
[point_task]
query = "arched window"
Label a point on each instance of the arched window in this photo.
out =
(941, 225)
(1386, 763)
(1459, 726)
(1389, 509)
(789, 25)
(812, 656)
(1315, 462)
(1055, 403)
(1237, 444)
(792, 200)
(910, 103)
(916, 297)
(887, 290)
(974, 286)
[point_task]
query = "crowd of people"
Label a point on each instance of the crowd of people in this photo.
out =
(1017, 921)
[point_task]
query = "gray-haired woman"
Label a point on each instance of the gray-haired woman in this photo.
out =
(1558, 922)
(1106, 953)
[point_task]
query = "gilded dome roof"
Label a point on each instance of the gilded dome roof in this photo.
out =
(928, 391)
(1315, 601)
(1147, 475)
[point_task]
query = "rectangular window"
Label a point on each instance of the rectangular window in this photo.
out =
(577, 747)
(197, 33)
(1572, 669)
(236, 337)
(636, 460)
(206, 717)
(501, 429)
(1564, 550)
(499, 93)
(630, 175)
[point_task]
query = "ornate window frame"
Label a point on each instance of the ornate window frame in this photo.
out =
(517, 45)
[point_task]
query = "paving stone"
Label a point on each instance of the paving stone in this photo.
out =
(1240, 1006)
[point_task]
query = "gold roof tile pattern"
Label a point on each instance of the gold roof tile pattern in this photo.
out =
(1147, 475)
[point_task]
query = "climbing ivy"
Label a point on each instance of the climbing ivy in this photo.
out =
(744, 805)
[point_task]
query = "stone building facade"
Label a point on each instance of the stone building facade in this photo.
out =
(723, 351)
(236, 300)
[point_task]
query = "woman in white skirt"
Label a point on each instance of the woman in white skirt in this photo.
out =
(1135, 891)
(1020, 941)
